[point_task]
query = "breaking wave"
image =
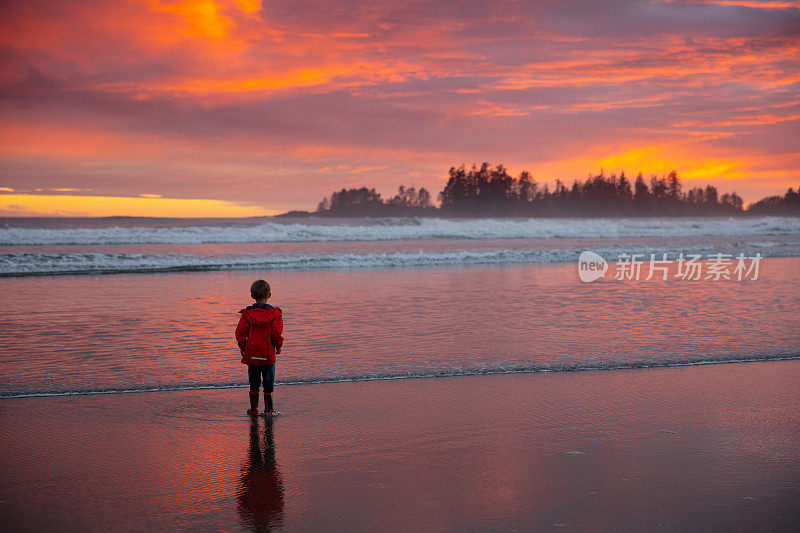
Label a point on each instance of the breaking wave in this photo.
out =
(315, 230)
(35, 264)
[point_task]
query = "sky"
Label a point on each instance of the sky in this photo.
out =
(243, 107)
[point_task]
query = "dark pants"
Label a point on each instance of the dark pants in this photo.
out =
(255, 373)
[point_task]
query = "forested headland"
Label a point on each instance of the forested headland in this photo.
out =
(492, 191)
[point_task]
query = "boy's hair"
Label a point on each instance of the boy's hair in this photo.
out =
(259, 289)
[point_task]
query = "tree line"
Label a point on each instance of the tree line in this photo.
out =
(363, 202)
(492, 191)
(786, 205)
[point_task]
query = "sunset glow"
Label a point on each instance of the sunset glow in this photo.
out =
(243, 107)
(105, 206)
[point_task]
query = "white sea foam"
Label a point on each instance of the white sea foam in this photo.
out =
(26, 264)
(404, 229)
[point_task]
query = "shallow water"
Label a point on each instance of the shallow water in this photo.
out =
(377, 298)
(140, 331)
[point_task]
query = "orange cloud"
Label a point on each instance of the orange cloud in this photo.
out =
(25, 139)
(211, 19)
(673, 59)
(751, 120)
(226, 95)
(661, 159)
(202, 17)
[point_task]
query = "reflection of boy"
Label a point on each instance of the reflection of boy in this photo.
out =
(260, 490)
(259, 336)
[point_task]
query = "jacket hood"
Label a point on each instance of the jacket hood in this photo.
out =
(260, 314)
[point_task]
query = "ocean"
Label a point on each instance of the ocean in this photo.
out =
(129, 304)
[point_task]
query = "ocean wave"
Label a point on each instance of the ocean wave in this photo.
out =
(443, 373)
(33, 264)
(403, 229)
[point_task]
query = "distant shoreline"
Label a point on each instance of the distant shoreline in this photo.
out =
(446, 216)
(458, 216)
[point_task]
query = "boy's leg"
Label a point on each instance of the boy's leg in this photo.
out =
(254, 376)
(269, 384)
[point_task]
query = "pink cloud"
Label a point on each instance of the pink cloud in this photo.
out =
(229, 99)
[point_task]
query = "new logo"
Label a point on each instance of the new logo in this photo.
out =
(591, 266)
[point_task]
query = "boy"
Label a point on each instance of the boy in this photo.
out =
(259, 337)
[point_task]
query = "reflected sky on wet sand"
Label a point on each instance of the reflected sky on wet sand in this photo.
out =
(685, 448)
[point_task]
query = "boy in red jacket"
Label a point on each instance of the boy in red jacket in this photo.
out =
(259, 336)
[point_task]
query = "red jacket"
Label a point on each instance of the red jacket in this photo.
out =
(259, 333)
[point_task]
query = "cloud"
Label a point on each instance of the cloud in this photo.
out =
(231, 99)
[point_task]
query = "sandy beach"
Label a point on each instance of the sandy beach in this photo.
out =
(685, 448)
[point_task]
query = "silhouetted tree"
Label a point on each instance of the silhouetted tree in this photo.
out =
(786, 205)
(674, 186)
(355, 200)
(487, 190)
(624, 188)
(423, 198)
(526, 188)
(710, 196)
(641, 195)
(695, 196)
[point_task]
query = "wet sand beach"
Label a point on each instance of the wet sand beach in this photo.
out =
(698, 448)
